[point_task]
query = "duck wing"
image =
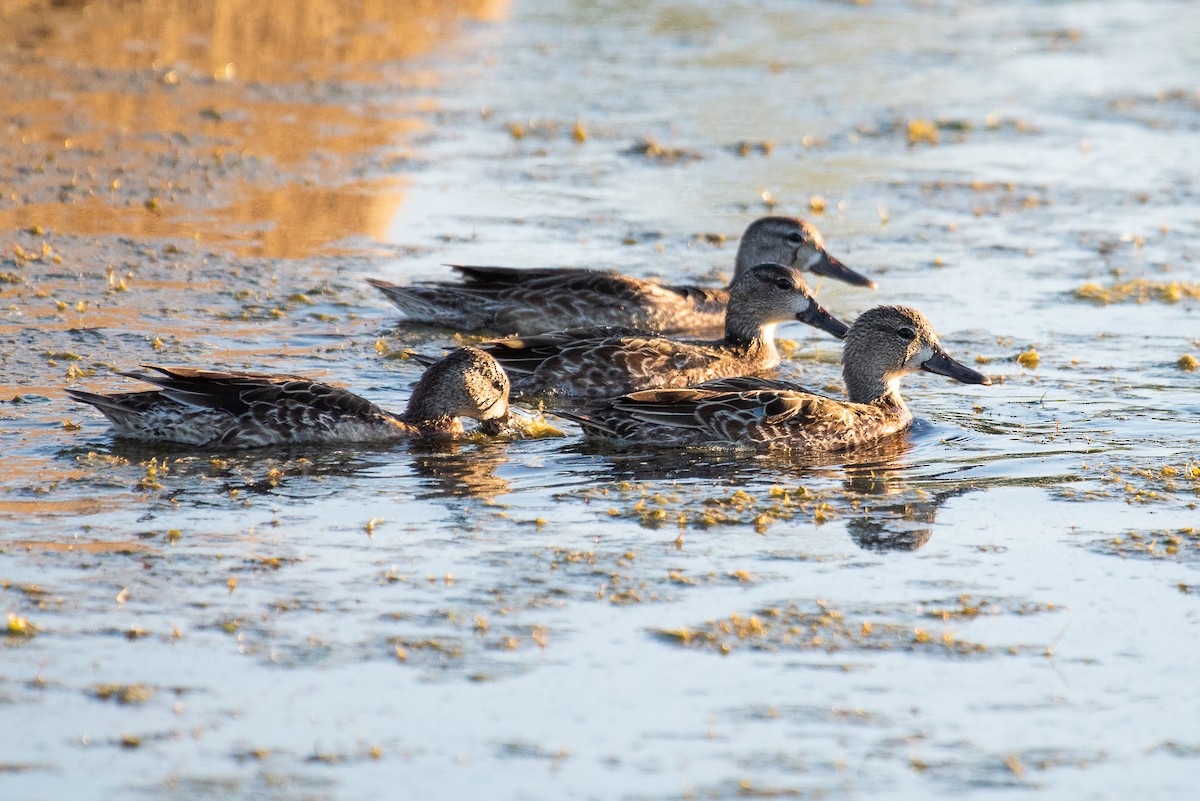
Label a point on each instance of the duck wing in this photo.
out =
(582, 363)
(526, 298)
(497, 278)
(541, 299)
(749, 383)
(291, 400)
(764, 417)
(524, 355)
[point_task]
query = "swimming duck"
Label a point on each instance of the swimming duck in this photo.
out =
(883, 345)
(221, 410)
(606, 361)
(527, 301)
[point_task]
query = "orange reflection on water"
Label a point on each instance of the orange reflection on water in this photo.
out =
(76, 546)
(231, 121)
(303, 219)
(273, 41)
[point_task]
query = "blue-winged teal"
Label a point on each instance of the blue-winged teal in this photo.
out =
(530, 301)
(884, 344)
(217, 410)
(603, 362)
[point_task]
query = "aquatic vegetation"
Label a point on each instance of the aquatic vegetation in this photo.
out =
(388, 352)
(533, 426)
(1139, 290)
(125, 694)
(1028, 359)
(1176, 544)
(693, 507)
(660, 154)
(1188, 363)
(19, 627)
(817, 627)
(922, 132)
(966, 607)
(1168, 483)
(746, 148)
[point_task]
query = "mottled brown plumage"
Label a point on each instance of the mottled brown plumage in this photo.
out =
(528, 301)
(884, 344)
(602, 362)
(225, 410)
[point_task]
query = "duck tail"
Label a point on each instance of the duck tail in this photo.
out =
(425, 360)
(427, 304)
(111, 406)
(589, 423)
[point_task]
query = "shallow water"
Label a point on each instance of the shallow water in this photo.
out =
(1005, 601)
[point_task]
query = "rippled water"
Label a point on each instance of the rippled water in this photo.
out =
(1003, 602)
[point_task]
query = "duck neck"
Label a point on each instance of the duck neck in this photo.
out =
(749, 253)
(426, 418)
(755, 339)
(442, 424)
(880, 391)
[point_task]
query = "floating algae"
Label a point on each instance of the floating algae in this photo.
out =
(1139, 290)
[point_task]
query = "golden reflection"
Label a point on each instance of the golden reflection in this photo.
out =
(303, 218)
(74, 507)
(274, 41)
(456, 469)
(231, 121)
(80, 546)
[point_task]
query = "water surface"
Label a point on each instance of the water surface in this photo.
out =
(1003, 601)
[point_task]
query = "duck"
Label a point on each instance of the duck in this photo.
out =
(218, 410)
(607, 360)
(510, 300)
(883, 345)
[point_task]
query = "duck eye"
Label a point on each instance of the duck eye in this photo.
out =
(785, 284)
(906, 333)
(795, 237)
(498, 384)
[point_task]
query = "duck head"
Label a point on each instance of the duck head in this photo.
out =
(772, 293)
(887, 343)
(465, 383)
(794, 242)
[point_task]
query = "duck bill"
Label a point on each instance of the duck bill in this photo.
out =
(941, 363)
(817, 317)
(830, 267)
(495, 426)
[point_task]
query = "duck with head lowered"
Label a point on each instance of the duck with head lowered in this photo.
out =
(885, 344)
(223, 410)
(526, 301)
(606, 361)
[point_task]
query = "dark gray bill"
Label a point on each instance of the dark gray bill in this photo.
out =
(495, 427)
(817, 317)
(830, 267)
(942, 364)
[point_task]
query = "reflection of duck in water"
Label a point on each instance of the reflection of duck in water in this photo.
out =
(880, 509)
(454, 469)
(211, 409)
(893, 514)
(884, 344)
(527, 301)
(735, 468)
(893, 527)
(602, 362)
